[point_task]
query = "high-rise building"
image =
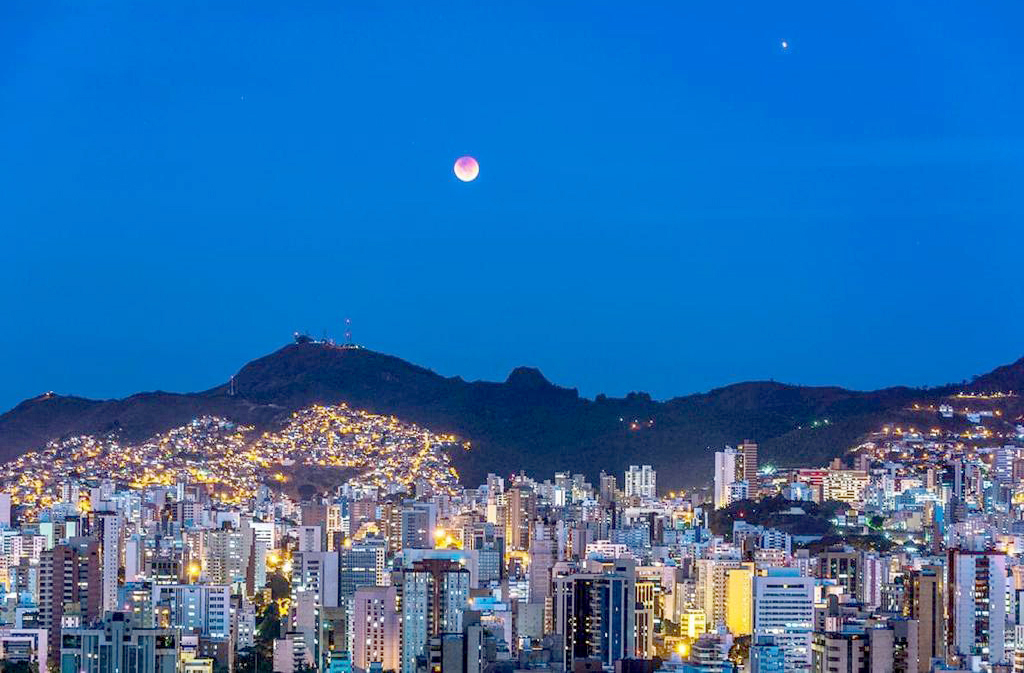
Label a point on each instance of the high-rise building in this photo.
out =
(842, 566)
(292, 653)
(488, 541)
(710, 654)
(520, 511)
(593, 612)
(713, 585)
(607, 486)
(879, 645)
(69, 583)
(317, 572)
(418, 522)
(432, 595)
(738, 490)
(136, 600)
(873, 576)
(115, 646)
(748, 470)
(311, 538)
(644, 619)
(336, 523)
(725, 475)
(926, 604)
(641, 481)
(305, 620)
(5, 510)
(362, 565)
(784, 611)
(377, 629)
(203, 608)
(224, 562)
(109, 528)
(738, 600)
(893, 645)
(976, 612)
(543, 555)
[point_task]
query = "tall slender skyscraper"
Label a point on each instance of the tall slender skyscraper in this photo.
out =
(925, 604)
(748, 472)
(725, 475)
(69, 582)
(377, 629)
(519, 515)
(784, 611)
(109, 529)
(976, 611)
(224, 556)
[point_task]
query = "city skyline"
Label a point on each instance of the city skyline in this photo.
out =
(529, 337)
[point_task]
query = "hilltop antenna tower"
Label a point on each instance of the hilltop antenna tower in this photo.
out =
(231, 387)
(348, 332)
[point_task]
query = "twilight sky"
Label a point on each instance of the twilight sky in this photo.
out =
(668, 201)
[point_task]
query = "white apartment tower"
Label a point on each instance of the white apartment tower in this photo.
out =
(784, 610)
(977, 607)
(725, 475)
(641, 481)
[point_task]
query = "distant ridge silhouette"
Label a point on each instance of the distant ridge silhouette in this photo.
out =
(524, 423)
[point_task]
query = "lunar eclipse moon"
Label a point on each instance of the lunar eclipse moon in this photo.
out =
(466, 168)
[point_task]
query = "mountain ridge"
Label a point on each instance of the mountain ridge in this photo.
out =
(525, 422)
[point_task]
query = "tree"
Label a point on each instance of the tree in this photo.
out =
(280, 587)
(18, 667)
(260, 657)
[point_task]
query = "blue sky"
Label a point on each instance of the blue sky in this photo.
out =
(668, 200)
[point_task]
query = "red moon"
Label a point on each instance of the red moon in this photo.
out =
(466, 168)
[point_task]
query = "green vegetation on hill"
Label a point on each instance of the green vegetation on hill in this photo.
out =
(793, 517)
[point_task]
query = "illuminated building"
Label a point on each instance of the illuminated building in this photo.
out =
(433, 595)
(927, 606)
(713, 576)
(520, 511)
(847, 486)
(69, 582)
(594, 613)
(784, 611)
(114, 646)
(640, 481)
(224, 563)
(976, 608)
(738, 609)
(376, 629)
(748, 467)
(201, 607)
(725, 474)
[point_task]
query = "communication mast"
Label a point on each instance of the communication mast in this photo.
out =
(348, 333)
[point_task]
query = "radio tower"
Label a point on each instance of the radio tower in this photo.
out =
(348, 332)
